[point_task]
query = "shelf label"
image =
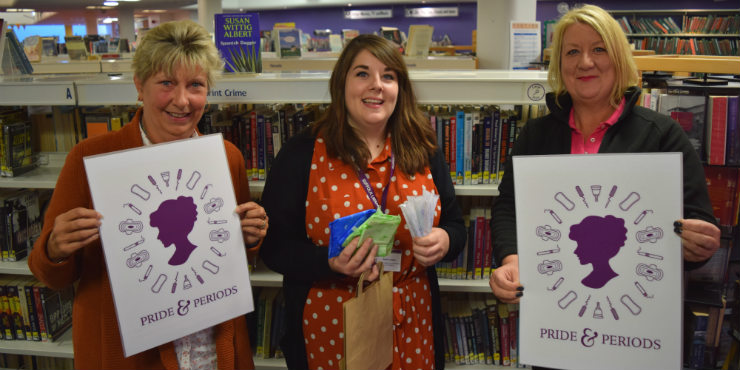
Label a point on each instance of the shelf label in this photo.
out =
(368, 14)
(227, 93)
(429, 12)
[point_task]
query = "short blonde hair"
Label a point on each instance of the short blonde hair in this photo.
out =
(615, 42)
(173, 44)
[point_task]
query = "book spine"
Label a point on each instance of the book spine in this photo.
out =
(477, 158)
(28, 334)
(453, 149)
(449, 342)
(32, 314)
(733, 131)
(487, 127)
(459, 349)
(468, 149)
(19, 332)
(470, 335)
(495, 143)
(487, 247)
(479, 238)
(460, 147)
(493, 325)
(43, 333)
(261, 146)
(470, 250)
(253, 145)
(513, 347)
(718, 133)
(269, 146)
(4, 314)
(503, 315)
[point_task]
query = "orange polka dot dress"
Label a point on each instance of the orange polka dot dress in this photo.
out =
(335, 191)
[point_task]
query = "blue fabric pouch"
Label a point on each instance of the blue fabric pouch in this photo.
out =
(341, 228)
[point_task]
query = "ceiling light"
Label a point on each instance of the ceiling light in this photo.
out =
(110, 3)
(110, 20)
(19, 10)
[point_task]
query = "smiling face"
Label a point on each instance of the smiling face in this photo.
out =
(587, 71)
(371, 91)
(174, 104)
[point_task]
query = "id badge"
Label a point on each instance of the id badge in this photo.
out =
(391, 262)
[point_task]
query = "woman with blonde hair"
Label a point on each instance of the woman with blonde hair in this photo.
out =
(173, 70)
(593, 110)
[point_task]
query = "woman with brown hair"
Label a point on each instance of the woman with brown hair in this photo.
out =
(371, 149)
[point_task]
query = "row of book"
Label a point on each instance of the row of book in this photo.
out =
(657, 26)
(711, 122)
(476, 260)
(480, 330)
(266, 323)
(21, 217)
(32, 312)
(13, 59)
(477, 140)
(688, 45)
(30, 362)
(711, 24)
(16, 151)
(259, 131)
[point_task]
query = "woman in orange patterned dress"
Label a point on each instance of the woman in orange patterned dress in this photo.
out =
(372, 149)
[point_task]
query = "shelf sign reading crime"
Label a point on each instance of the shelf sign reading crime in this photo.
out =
(429, 12)
(173, 245)
(214, 94)
(368, 14)
(599, 260)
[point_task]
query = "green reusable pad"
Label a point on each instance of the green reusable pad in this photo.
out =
(381, 228)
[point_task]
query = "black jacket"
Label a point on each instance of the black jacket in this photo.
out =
(287, 250)
(637, 130)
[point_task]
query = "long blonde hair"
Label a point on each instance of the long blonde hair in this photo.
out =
(615, 42)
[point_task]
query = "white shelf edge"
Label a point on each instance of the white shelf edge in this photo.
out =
(61, 348)
(256, 187)
(15, 268)
(261, 277)
(475, 86)
(464, 285)
(279, 363)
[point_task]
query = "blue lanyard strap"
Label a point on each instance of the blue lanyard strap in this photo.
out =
(369, 189)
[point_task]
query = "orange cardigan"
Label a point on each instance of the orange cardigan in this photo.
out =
(96, 336)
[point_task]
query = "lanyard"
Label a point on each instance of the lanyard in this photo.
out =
(369, 189)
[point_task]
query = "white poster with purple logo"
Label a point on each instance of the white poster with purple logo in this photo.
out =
(172, 242)
(600, 263)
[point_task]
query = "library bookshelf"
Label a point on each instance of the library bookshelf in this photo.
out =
(468, 87)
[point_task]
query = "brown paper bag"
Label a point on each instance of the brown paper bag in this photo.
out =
(368, 325)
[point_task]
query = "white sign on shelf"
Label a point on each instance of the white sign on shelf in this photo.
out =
(432, 12)
(368, 14)
(172, 242)
(599, 261)
(524, 44)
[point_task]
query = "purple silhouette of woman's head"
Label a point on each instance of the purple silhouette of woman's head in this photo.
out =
(599, 240)
(175, 219)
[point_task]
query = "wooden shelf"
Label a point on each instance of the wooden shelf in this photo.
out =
(689, 63)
